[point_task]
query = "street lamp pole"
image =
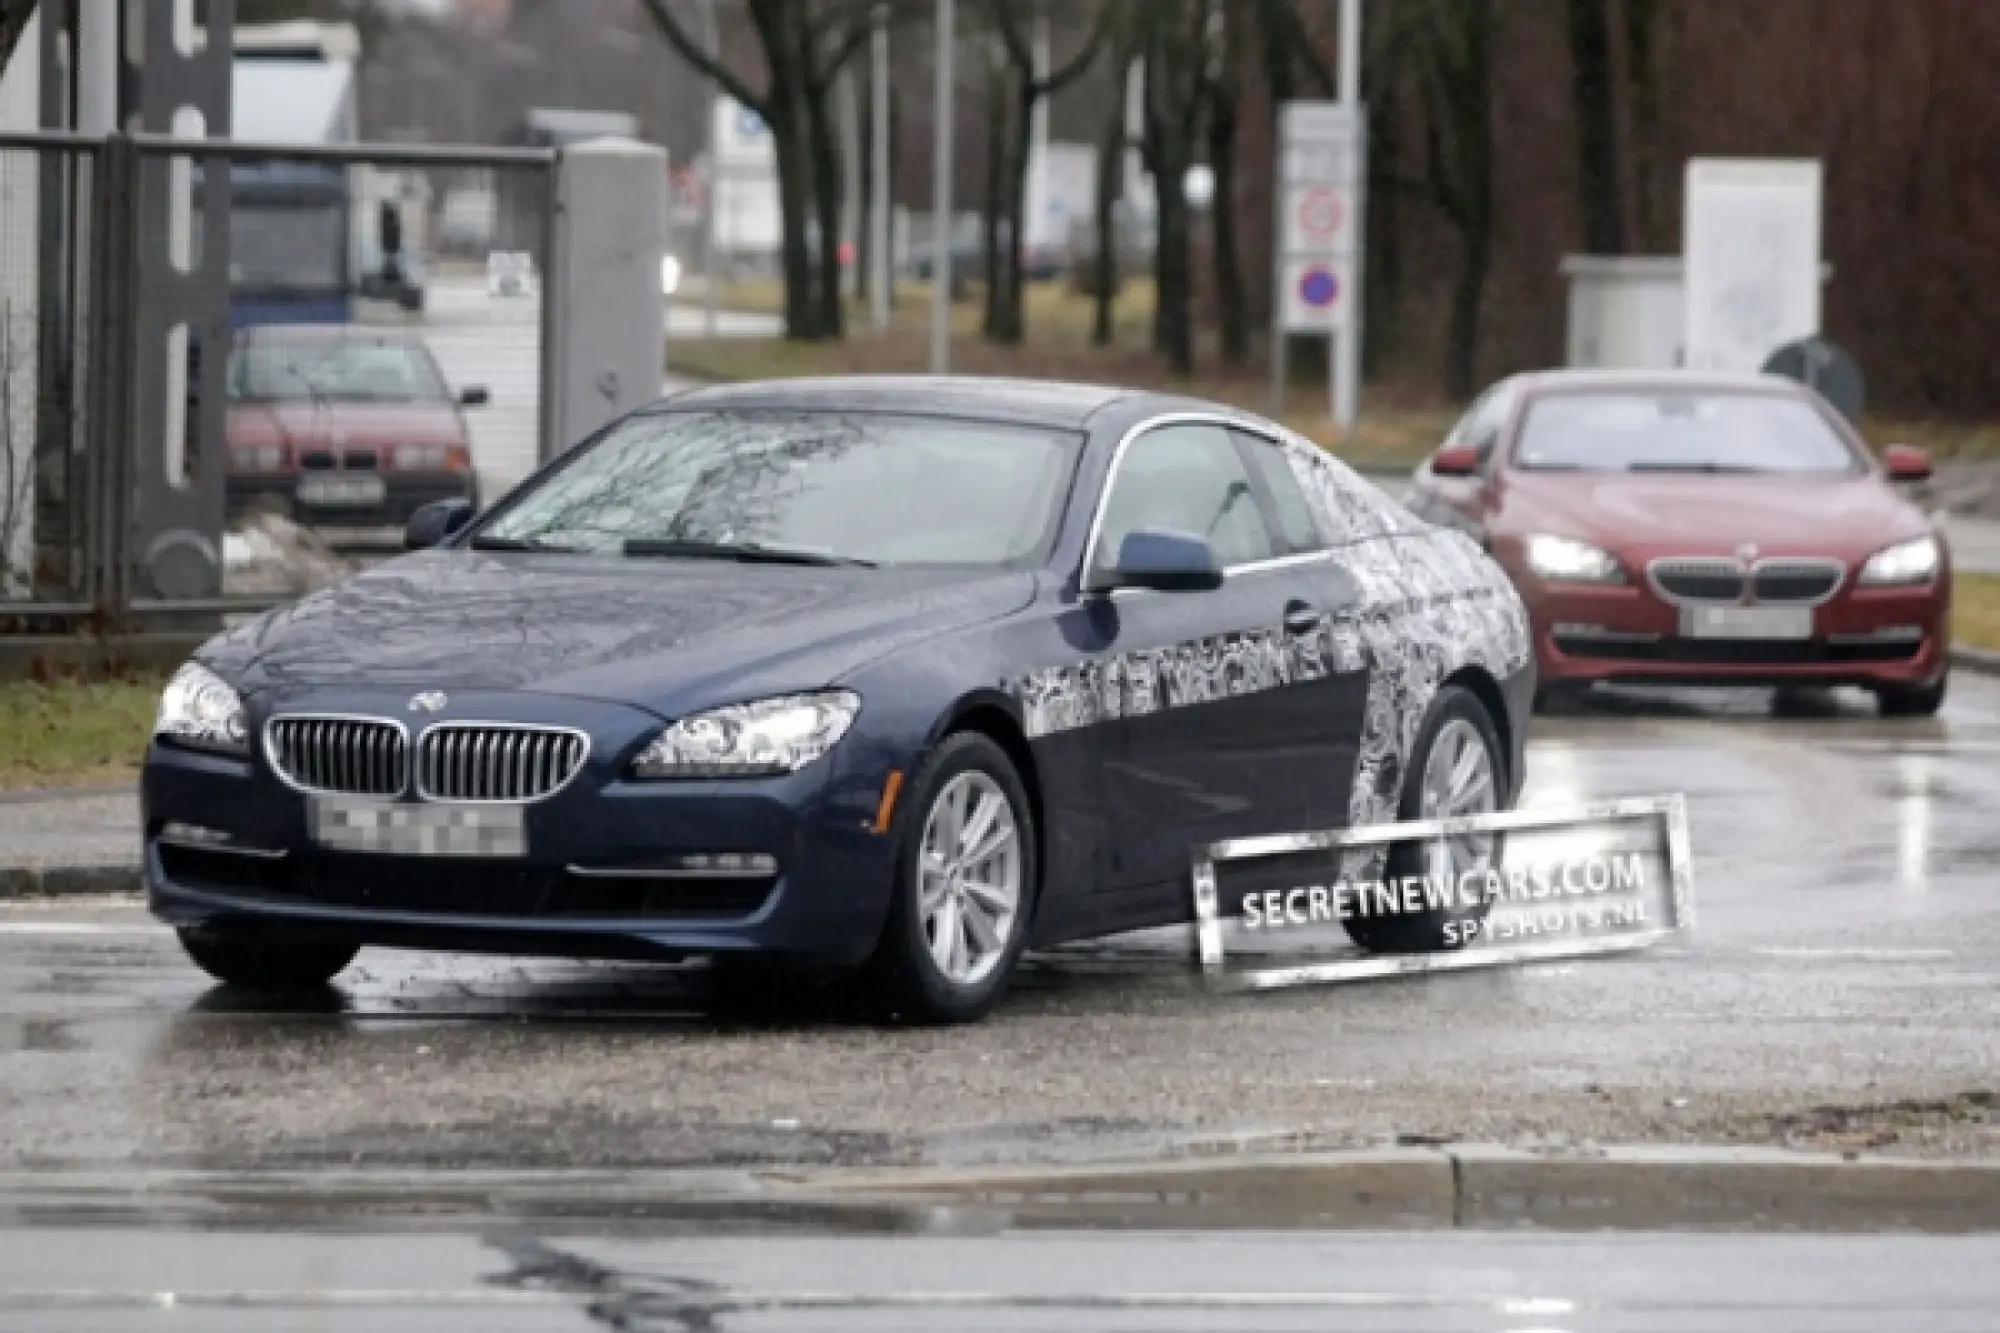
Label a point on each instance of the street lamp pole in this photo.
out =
(943, 125)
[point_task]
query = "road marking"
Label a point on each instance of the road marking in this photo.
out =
(83, 928)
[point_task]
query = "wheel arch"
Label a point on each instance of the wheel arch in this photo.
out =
(1480, 684)
(997, 717)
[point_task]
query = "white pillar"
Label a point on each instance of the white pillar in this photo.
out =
(609, 333)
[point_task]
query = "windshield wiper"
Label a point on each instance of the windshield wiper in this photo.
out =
(1687, 467)
(484, 543)
(750, 553)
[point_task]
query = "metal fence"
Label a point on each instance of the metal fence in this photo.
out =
(49, 204)
(296, 347)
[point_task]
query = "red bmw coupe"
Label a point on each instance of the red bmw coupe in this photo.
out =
(1693, 529)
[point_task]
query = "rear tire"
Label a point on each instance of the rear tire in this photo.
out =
(965, 887)
(1456, 768)
(1913, 700)
(266, 961)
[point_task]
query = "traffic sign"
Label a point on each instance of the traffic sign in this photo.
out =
(1317, 294)
(1320, 212)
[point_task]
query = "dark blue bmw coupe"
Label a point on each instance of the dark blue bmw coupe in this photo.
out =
(905, 675)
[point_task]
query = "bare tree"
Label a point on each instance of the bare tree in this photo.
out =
(1222, 86)
(1594, 106)
(1014, 112)
(805, 45)
(1454, 43)
(1175, 42)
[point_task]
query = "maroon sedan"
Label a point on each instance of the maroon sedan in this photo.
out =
(343, 425)
(1705, 530)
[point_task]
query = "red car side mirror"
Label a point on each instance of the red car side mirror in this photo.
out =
(1455, 460)
(1906, 462)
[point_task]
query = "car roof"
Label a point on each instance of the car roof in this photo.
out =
(1021, 401)
(1699, 381)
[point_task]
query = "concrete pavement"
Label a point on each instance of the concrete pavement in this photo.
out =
(1843, 872)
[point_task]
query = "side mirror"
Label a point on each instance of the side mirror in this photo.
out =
(1455, 460)
(477, 395)
(1906, 462)
(1166, 561)
(435, 522)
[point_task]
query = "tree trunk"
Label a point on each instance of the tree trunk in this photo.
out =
(1461, 365)
(1173, 314)
(998, 136)
(1011, 326)
(1642, 60)
(828, 185)
(1110, 170)
(795, 192)
(1232, 295)
(1599, 183)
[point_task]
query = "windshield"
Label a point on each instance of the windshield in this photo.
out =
(1680, 432)
(339, 371)
(879, 489)
(300, 248)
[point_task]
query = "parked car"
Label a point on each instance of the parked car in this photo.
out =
(1693, 529)
(899, 675)
(344, 425)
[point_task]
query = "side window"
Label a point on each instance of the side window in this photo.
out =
(1187, 479)
(1296, 528)
(1348, 506)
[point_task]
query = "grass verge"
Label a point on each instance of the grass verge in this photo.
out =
(71, 733)
(1395, 432)
(1975, 611)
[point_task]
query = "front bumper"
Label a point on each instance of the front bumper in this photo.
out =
(1866, 637)
(598, 879)
(404, 493)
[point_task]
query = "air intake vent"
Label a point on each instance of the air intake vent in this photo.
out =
(483, 762)
(347, 755)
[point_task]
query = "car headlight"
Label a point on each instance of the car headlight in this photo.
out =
(1905, 563)
(1567, 560)
(770, 736)
(200, 710)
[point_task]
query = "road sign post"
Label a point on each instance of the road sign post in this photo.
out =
(1322, 154)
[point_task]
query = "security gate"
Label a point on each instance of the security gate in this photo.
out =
(201, 337)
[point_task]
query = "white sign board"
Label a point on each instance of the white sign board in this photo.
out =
(1062, 192)
(1322, 155)
(1752, 250)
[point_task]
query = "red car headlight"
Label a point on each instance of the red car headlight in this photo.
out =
(1567, 560)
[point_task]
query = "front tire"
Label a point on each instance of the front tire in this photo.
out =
(262, 961)
(966, 884)
(1455, 770)
(1913, 700)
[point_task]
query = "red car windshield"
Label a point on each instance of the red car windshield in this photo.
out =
(1680, 432)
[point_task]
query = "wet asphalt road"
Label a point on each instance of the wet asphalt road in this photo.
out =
(1414, 1283)
(1839, 992)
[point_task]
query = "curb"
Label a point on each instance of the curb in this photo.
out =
(1477, 1185)
(1982, 661)
(31, 882)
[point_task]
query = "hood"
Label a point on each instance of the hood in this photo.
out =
(663, 635)
(1695, 514)
(332, 423)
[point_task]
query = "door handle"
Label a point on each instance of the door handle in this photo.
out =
(1300, 617)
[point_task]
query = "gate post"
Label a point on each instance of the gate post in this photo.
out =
(606, 315)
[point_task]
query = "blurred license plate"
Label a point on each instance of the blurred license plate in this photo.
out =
(355, 492)
(1747, 622)
(419, 830)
